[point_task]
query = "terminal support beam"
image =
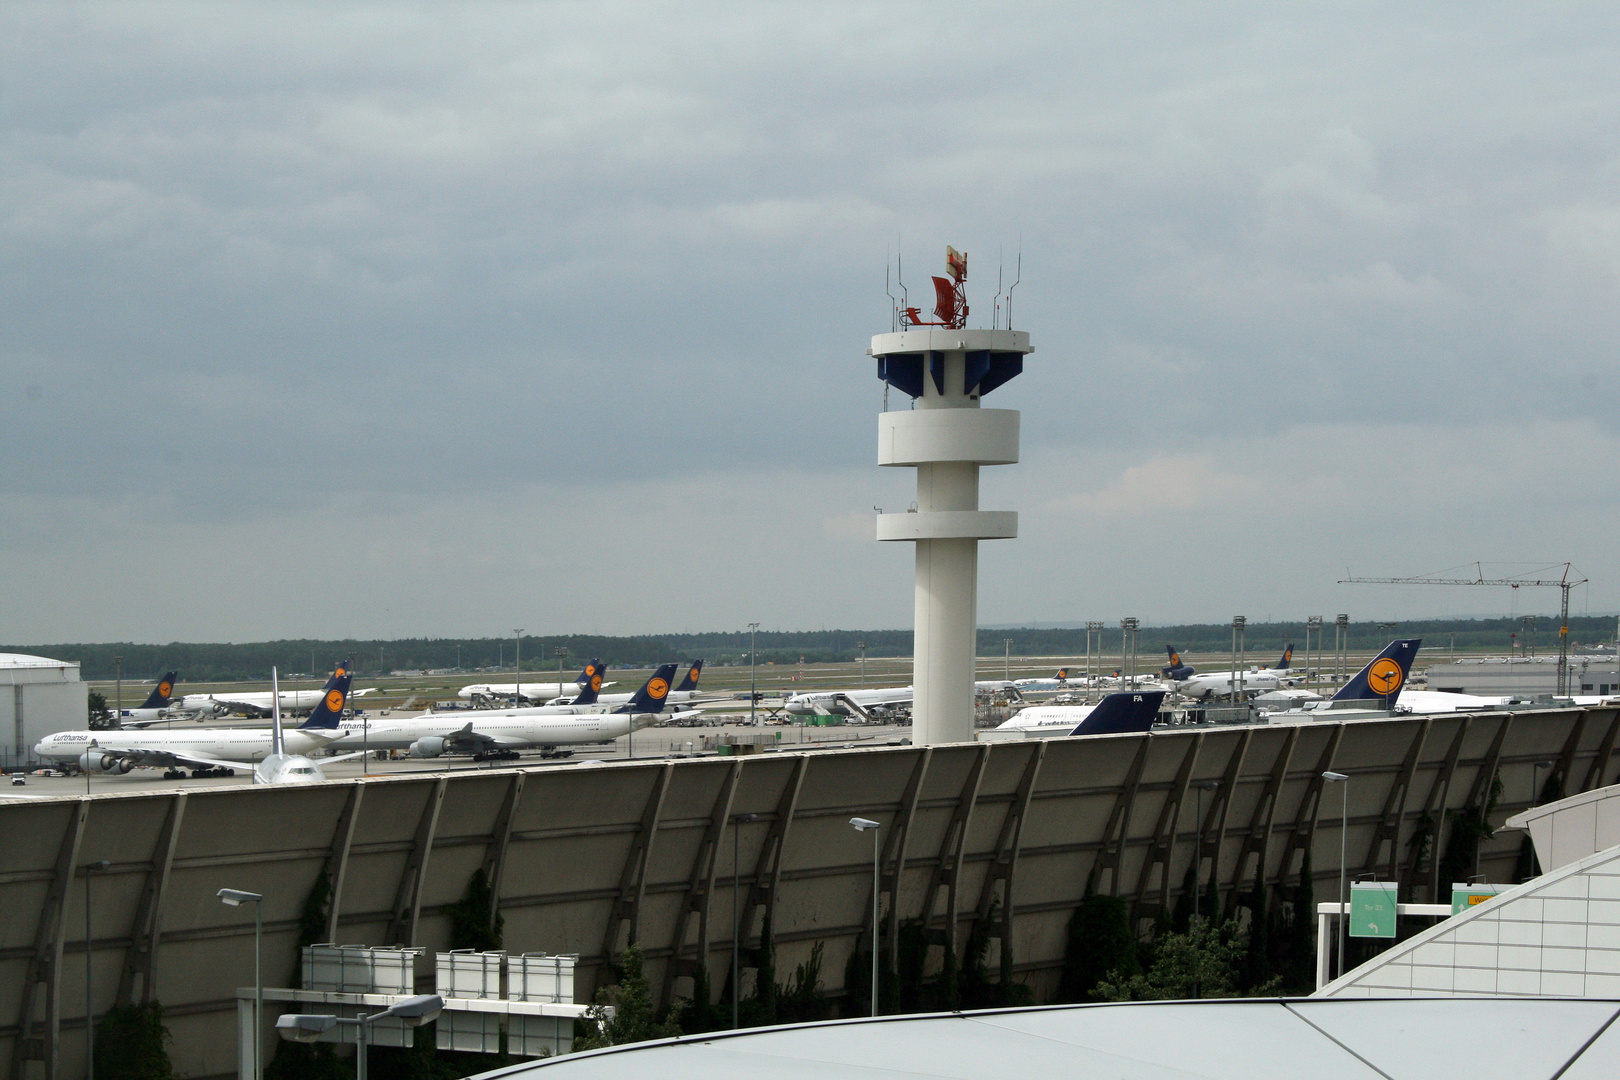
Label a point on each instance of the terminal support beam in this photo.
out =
(1600, 763)
(146, 932)
(1004, 861)
(895, 845)
(1119, 823)
(767, 877)
(337, 859)
(1257, 839)
(626, 909)
(1220, 804)
(1566, 758)
(501, 839)
(699, 897)
(44, 975)
(1305, 827)
(947, 874)
(1162, 845)
(1434, 813)
(408, 896)
(1388, 827)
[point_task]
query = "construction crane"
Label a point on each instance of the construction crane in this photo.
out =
(1564, 584)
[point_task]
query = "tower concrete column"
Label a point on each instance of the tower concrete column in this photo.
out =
(946, 436)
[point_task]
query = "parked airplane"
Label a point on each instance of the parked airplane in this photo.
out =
(153, 707)
(1256, 680)
(260, 703)
(686, 691)
(845, 702)
(503, 732)
(1125, 711)
(532, 691)
(281, 767)
(199, 748)
(1175, 669)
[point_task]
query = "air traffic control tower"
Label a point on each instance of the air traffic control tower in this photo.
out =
(946, 436)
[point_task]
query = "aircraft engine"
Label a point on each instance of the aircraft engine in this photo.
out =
(428, 746)
(96, 762)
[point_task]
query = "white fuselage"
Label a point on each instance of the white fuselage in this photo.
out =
(1040, 717)
(511, 729)
(612, 700)
(824, 702)
(287, 769)
(534, 691)
(254, 701)
(225, 744)
(1226, 683)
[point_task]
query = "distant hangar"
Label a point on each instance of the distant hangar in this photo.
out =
(43, 696)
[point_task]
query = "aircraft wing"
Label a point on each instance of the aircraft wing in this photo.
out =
(467, 737)
(344, 757)
(363, 693)
(169, 758)
(687, 715)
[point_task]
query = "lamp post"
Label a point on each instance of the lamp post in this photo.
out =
(1006, 658)
(89, 1016)
(736, 914)
(118, 708)
(753, 682)
(236, 898)
(868, 825)
(309, 1027)
(861, 645)
(1344, 828)
(561, 651)
(517, 666)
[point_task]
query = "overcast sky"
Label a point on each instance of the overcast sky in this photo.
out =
(443, 319)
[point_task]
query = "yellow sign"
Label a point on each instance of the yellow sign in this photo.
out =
(657, 688)
(1384, 676)
(334, 700)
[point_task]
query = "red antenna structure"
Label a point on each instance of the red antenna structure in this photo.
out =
(951, 306)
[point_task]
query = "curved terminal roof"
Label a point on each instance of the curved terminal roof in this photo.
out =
(1255, 1039)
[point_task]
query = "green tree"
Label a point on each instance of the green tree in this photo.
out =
(471, 924)
(130, 1044)
(100, 717)
(1298, 964)
(1206, 961)
(801, 999)
(625, 1013)
(1100, 942)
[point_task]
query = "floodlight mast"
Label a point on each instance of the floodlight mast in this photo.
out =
(946, 369)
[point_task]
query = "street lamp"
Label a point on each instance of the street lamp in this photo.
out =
(517, 666)
(736, 916)
(118, 715)
(236, 898)
(89, 1016)
(1344, 829)
(561, 651)
(861, 645)
(868, 825)
(1006, 658)
(753, 659)
(309, 1027)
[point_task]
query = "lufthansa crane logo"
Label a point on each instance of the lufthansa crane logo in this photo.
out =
(590, 669)
(657, 688)
(334, 700)
(596, 682)
(1384, 677)
(339, 673)
(1175, 659)
(693, 674)
(165, 688)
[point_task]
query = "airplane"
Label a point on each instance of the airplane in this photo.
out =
(686, 691)
(1226, 683)
(843, 702)
(202, 749)
(259, 703)
(1175, 669)
(153, 708)
(1121, 712)
(281, 767)
(502, 732)
(532, 691)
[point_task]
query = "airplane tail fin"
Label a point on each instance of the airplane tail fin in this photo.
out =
(1382, 679)
(162, 692)
(1175, 669)
(329, 713)
(1287, 657)
(590, 683)
(340, 669)
(693, 674)
(1119, 713)
(1063, 674)
(653, 693)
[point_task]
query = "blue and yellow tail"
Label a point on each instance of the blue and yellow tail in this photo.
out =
(329, 713)
(1118, 713)
(1287, 658)
(1175, 669)
(653, 693)
(590, 683)
(693, 674)
(162, 693)
(1382, 679)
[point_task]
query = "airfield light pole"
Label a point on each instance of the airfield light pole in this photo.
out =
(1313, 622)
(861, 645)
(89, 1016)
(1344, 829)
(1006, 659)
(517, 666)
(118, 713)
(753, 681)
(736, 912)
(868, 825)
(1092, 627)
(561, 651)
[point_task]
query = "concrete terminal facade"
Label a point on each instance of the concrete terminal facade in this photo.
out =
(584, 858)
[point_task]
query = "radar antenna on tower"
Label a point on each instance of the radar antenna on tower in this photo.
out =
(950, 297)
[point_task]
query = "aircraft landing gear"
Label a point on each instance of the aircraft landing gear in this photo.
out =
(174, 774)
(496, 755)
(556, 753)
(203, 774)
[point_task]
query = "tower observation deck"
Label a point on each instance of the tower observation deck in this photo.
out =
(946, 436)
